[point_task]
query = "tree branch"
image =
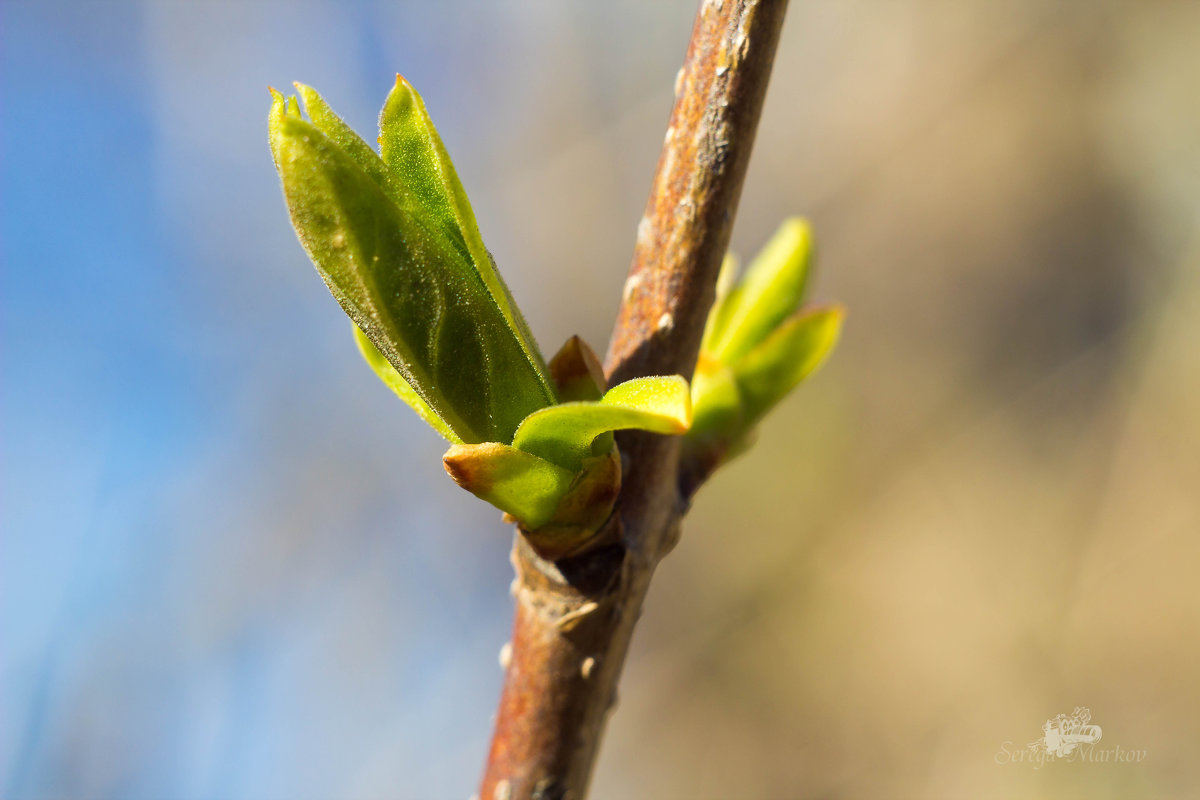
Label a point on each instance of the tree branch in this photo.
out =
(575, 616)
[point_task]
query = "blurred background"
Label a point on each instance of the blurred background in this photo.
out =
(231, 565)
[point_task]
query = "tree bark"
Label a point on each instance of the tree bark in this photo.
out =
(575, 617)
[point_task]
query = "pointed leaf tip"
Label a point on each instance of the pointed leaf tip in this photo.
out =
(413, 150)
(275, 116)
(408, 289)
(326, 120)
(771, 289)
(576, 372)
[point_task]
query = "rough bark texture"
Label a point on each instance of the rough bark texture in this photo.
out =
(575, 617)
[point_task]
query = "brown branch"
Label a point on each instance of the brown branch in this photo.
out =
(575, 617)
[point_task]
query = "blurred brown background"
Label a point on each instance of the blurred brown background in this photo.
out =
(984, 512)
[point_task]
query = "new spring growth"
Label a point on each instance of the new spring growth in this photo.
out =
(758, 343)
(393, 236)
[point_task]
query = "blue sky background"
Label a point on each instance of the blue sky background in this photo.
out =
(232, 567)
(176, 392)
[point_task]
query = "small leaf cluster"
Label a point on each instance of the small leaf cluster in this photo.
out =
(393, 236)
(758, 344)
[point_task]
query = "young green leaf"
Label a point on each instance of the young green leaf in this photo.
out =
(274, 120)
(771, 289)
(564, 433)
(390, 181)
(718, 315)
(329, 123)
(395, 381)
(789, 355)
(413, 150)
(408, 289)
(716, 401)
(514, 481)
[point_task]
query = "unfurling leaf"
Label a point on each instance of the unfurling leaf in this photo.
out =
(394, 238)
(329, 123)
(407, 284)
(789, 355)
(564, 434)
(770, 291)
(413, 150)
(519, 483)
(716, 401)
(718, 315)
(563, 507)
(756, 346)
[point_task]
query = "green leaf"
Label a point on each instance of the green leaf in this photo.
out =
(341, 134)
(786, 357)
(514, 481)
(578, 376)
(413, 150)
(770, 291)
(395, 381)
(274, 120)
(564, 433)
(391, 182)
(716, 401)
(718, 315)
(408, 289)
